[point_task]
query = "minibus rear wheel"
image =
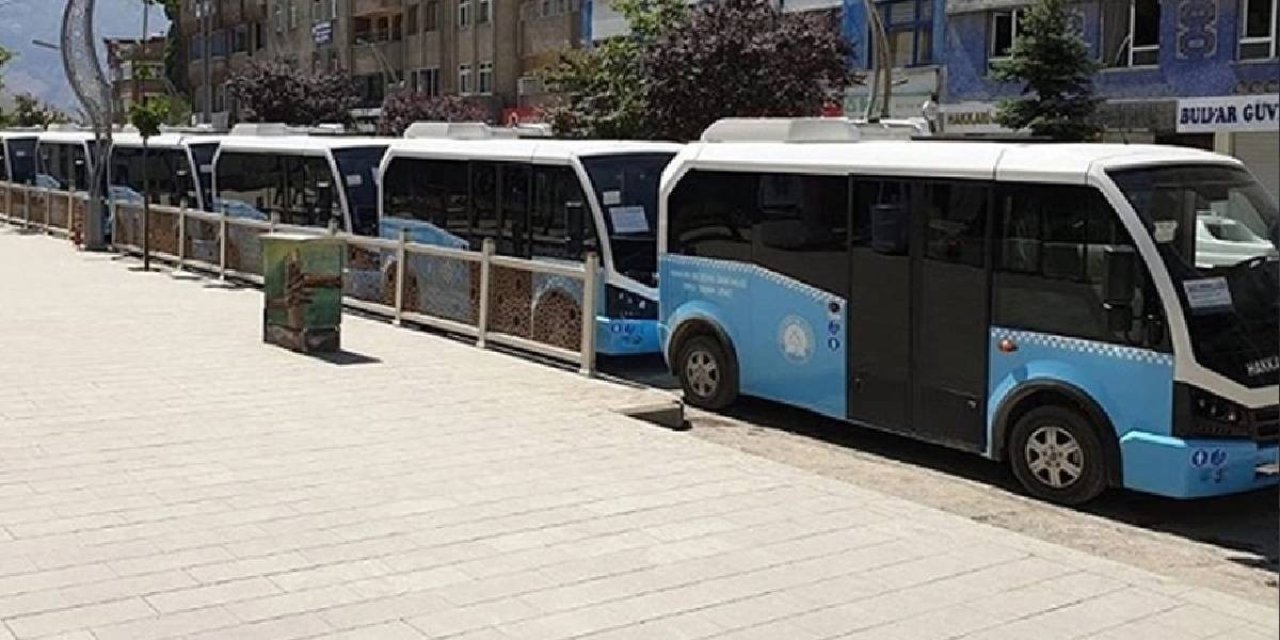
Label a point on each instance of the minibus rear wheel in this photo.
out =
(708, 373)
(1057, 456)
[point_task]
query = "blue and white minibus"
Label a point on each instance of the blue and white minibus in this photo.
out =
(65, 157)
(541, 199)
(1097, 315)
(18, 156)
(179, 166)
(260, 170)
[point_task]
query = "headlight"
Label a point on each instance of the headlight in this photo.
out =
(1205, 415)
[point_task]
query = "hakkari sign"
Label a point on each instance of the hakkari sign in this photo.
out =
(1229, 113)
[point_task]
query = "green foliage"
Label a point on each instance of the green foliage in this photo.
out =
(147, 116)
(279, 92)
(5, 57)
(604, 88)
(30, 112)
(744, 58)
(1052, 61)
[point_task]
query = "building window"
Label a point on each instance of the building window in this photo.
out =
(464, 13)
(293, 15)
(908, 24)
(431, 16)
(482, 13)
(1131, 33)
(1259, 29)
(427, 81)
(464, 78)
(486, 77)
(1004, 31)
(411, 20)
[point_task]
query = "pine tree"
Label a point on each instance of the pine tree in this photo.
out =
(1051, 59)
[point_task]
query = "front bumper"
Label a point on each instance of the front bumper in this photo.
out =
(617, 337)
(1197, 468)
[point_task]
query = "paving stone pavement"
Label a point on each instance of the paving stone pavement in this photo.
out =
(164, 474)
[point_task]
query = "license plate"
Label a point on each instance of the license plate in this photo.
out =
(1272, 469)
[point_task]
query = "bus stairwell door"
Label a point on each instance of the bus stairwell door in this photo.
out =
(919, 309)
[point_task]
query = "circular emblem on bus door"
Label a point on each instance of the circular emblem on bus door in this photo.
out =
(795, 339)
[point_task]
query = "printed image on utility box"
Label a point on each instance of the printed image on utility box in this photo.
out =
(302, 285)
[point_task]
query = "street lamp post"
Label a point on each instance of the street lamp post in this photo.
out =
(204, 12)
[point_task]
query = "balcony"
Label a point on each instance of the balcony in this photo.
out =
(361, 8)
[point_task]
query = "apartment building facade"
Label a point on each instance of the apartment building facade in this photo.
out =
(136, 70)
(487, 50)
(1200, 73)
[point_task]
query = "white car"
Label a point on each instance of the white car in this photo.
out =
(1223, 242)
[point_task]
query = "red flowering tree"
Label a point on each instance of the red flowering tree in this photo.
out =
(743, 58)
(403, 108)
(278, 92)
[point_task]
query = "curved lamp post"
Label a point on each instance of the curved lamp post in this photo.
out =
(84, 73)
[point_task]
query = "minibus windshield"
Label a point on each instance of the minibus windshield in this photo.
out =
(626, 186)
(1216, 231)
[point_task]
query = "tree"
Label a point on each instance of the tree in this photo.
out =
(403, 108)
(29, 111)
(277, 92)
(1052, 61)
(603, 89)
(743, 58)
(147, 116)
(5, 57)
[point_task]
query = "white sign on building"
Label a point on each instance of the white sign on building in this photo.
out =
(1229, 113)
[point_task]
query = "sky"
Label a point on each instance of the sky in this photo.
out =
(38, 70)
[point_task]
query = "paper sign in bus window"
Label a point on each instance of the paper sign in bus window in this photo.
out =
(1208, 295)
(629, 219)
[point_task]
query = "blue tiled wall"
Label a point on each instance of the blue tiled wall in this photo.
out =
(1185, 69)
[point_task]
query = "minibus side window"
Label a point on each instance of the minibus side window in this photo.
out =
(555, 191)
(1050, 244)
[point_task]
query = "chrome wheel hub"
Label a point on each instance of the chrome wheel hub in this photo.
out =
(1054, 456)
(702, 374)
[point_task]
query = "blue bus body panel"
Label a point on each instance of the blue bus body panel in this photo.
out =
(1134, 387)
(1179, 468)
(788, 336)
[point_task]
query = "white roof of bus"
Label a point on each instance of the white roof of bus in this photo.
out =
(7, 135)
(164, 140)
(66, 136)
(305, 145)
(976, 160)
(521, 150)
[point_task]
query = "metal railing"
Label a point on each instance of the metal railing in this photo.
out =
(532, 305)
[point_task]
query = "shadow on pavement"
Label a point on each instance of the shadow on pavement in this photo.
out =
(344, 358)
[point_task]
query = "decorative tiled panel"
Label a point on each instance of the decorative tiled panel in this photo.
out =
(510, 301)
(1197, 29)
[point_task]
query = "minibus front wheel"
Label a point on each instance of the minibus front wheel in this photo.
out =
(1056, 455)
(708, 372)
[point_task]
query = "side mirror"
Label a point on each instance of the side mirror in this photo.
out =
(1119, 277)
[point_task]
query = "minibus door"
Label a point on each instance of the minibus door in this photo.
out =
(918, 309)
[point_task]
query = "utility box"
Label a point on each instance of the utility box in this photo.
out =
(302, 287)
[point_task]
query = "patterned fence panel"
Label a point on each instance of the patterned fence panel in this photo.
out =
(370, 275)
(59, 209)
(244, 247)
(442, 287)
(163, 230)
(202, 239)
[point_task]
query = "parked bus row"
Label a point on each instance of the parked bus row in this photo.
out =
(1095, 315)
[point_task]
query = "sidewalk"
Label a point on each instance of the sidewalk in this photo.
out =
(164, 474)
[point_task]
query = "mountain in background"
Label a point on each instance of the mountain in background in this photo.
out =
(39, 71)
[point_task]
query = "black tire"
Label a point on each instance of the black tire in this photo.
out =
(708, 373)
(1052, 469)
